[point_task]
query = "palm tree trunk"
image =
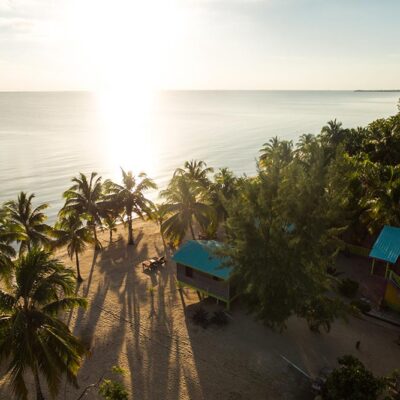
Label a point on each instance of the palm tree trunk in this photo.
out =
(130, 230)
(78, 270)
(191, 230)
(96, 241)
(39, 394)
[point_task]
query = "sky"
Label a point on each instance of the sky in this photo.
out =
(199, 44)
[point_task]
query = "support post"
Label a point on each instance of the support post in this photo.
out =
(387, 269)
(373, 266)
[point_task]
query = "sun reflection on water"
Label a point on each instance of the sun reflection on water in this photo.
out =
(126, 119)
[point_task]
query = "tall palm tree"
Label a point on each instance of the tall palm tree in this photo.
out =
(276, 153)
(85, 197)
(184, 204)
(32, 336)
(27, 222)
(71, 231)
(333, 132)
(195, 171)
(130, 195)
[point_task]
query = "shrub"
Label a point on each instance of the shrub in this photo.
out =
(200, 317)
(347, 287)
(219, 318)
(362, 304)
(113, 390)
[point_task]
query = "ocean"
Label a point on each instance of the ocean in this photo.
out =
(46, 138)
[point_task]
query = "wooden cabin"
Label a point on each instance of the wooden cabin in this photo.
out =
(200, 268)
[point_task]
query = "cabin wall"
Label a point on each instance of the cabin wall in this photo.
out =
(203, 281)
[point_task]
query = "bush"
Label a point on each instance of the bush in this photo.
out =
(200, 317)
(219, 318)
(113, 390)
(362, 304)
(347, 287)
(351, 380)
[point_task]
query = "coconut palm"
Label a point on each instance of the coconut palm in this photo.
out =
(71, 232)
(110, 221)
(32, 336)
(333, 132)
(184, 205)
(85, 197)
(7, 252)
(158, 215)
(27, 223)
(195, 171)
(130, 196)
(276, 153)
(222, 190)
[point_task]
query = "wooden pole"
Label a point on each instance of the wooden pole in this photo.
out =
(387, 269)
(373, 265)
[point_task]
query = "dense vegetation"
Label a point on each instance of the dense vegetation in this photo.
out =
(283, 228)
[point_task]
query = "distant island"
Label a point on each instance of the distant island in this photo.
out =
(379, 90)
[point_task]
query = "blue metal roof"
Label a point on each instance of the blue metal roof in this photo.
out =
(200, 255)
(387, 246)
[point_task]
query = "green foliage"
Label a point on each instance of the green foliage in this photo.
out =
(185, 203)
(112, 389)
(130, 197)
(26, 223)
(32, 336)
(352, 381)
(85, 198)
(347, 287)
(71, 232)
(282, 273)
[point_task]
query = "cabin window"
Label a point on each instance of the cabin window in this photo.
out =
(189, 272)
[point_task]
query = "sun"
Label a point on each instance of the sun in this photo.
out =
(125, 45)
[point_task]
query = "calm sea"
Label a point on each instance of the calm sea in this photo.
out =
(47, 138)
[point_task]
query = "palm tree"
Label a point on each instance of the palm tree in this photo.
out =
(276, 153)
(130, 195)
(195, 171)
(70, 231)
(110, 220)
(85, 197)
(27, 223)
(7, 252)
(222, 190)
(184, 205)
(32, 336)
(333, 132)
(158, 214)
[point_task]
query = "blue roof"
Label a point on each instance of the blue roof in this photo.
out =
(200, 255)
(387, 246)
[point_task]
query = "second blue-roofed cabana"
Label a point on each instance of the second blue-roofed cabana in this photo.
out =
(198, 266)
(387, 247)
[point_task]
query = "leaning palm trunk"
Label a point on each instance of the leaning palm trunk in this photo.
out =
(78, 270)
(39, 394)
(96, 241)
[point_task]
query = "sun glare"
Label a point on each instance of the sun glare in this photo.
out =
(125, 42)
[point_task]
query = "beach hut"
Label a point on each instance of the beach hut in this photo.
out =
(387, 249)
(200, 268)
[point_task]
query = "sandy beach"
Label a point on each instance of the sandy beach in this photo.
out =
(150, 334)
